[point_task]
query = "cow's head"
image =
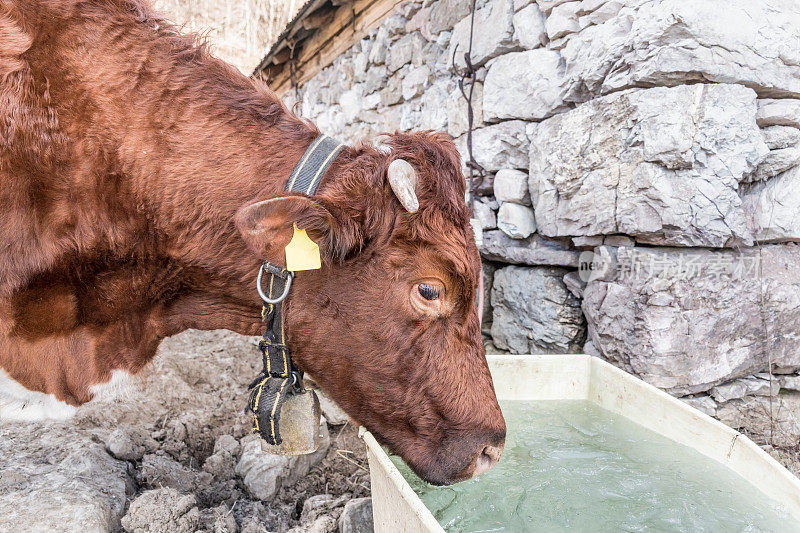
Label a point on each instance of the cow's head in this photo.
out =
(388, 327)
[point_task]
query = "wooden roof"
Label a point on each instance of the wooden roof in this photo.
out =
(321, 31)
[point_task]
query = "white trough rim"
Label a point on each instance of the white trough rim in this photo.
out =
(583, 377)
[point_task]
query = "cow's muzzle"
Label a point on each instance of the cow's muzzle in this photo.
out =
(464, 455)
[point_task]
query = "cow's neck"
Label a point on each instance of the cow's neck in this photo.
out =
(196, 141)
(217, 143)
(220, 155)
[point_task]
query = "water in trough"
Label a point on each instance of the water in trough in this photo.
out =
(573, 466)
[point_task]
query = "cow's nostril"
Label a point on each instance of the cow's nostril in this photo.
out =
(493, 452)
(487, 459)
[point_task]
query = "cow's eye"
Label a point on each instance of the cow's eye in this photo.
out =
(429, 292)
(427, 297)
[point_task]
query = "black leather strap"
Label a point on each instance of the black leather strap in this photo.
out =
(312, 166)
(280, 377)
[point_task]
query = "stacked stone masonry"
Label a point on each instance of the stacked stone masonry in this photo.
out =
(661, 135)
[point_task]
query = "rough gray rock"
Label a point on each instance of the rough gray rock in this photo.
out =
(396, 22)
(484, 186)
(749, 386)
(488, 270)
(415, 82)
(227, 444)
(485, 215)
(593, 12)
(410, 116)
(457, 122)
(54, 475)
(703, 403)
(687, 320)
(323, 524)
(563, 20)
(662, 165)
(523, 85)
(377, 54)
(773, 208)
(253, 525)
(333, 413)
(356, 516)
(263, 474)
(420, 22)
(434, 106)
(160, 471)
(52, 478)
(360, 64)
(443, 39)
(404, 51)
(371, 101)
(778, 112)
(222, 462)
(588, 241)
(322, 504)
(534, 250)
(669, 42)
(391, 95)
(618, 240)
(533, 311)
(495, 35)
(789, 382)
(375, 79)
(351, 102)
(121, 445)
(511, 185)
(516, 221)
(574, 284)
(548, 5)
(445, 13)
(162, 511)
(220, 466)
(503, 145)
(529, 30)
(777, 137)
(775, 162)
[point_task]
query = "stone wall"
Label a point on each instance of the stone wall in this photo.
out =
(662, 136)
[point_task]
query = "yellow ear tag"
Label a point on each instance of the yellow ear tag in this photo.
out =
(302, 253)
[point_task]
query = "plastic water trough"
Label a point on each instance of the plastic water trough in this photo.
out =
(396, 506)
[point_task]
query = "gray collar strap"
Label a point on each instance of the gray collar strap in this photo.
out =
(312, 166)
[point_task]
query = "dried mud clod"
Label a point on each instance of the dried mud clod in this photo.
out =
(170, 456)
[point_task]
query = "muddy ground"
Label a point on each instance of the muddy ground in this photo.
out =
(181, 430)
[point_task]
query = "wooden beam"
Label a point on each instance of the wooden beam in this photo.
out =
(299, 33)
(282, 56)
(320, 17)
(332, 39)
(321, 49)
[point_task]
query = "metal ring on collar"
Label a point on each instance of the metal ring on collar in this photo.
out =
(266, 298)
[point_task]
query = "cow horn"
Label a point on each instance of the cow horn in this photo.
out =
(403, 180)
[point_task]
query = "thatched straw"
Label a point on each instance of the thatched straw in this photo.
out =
(240, 31)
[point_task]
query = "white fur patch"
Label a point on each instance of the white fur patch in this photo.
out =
(121, 384)
(21, 404)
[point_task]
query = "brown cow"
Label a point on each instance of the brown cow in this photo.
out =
(142, 186)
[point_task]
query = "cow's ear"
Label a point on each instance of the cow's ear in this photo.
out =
(267, 226)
